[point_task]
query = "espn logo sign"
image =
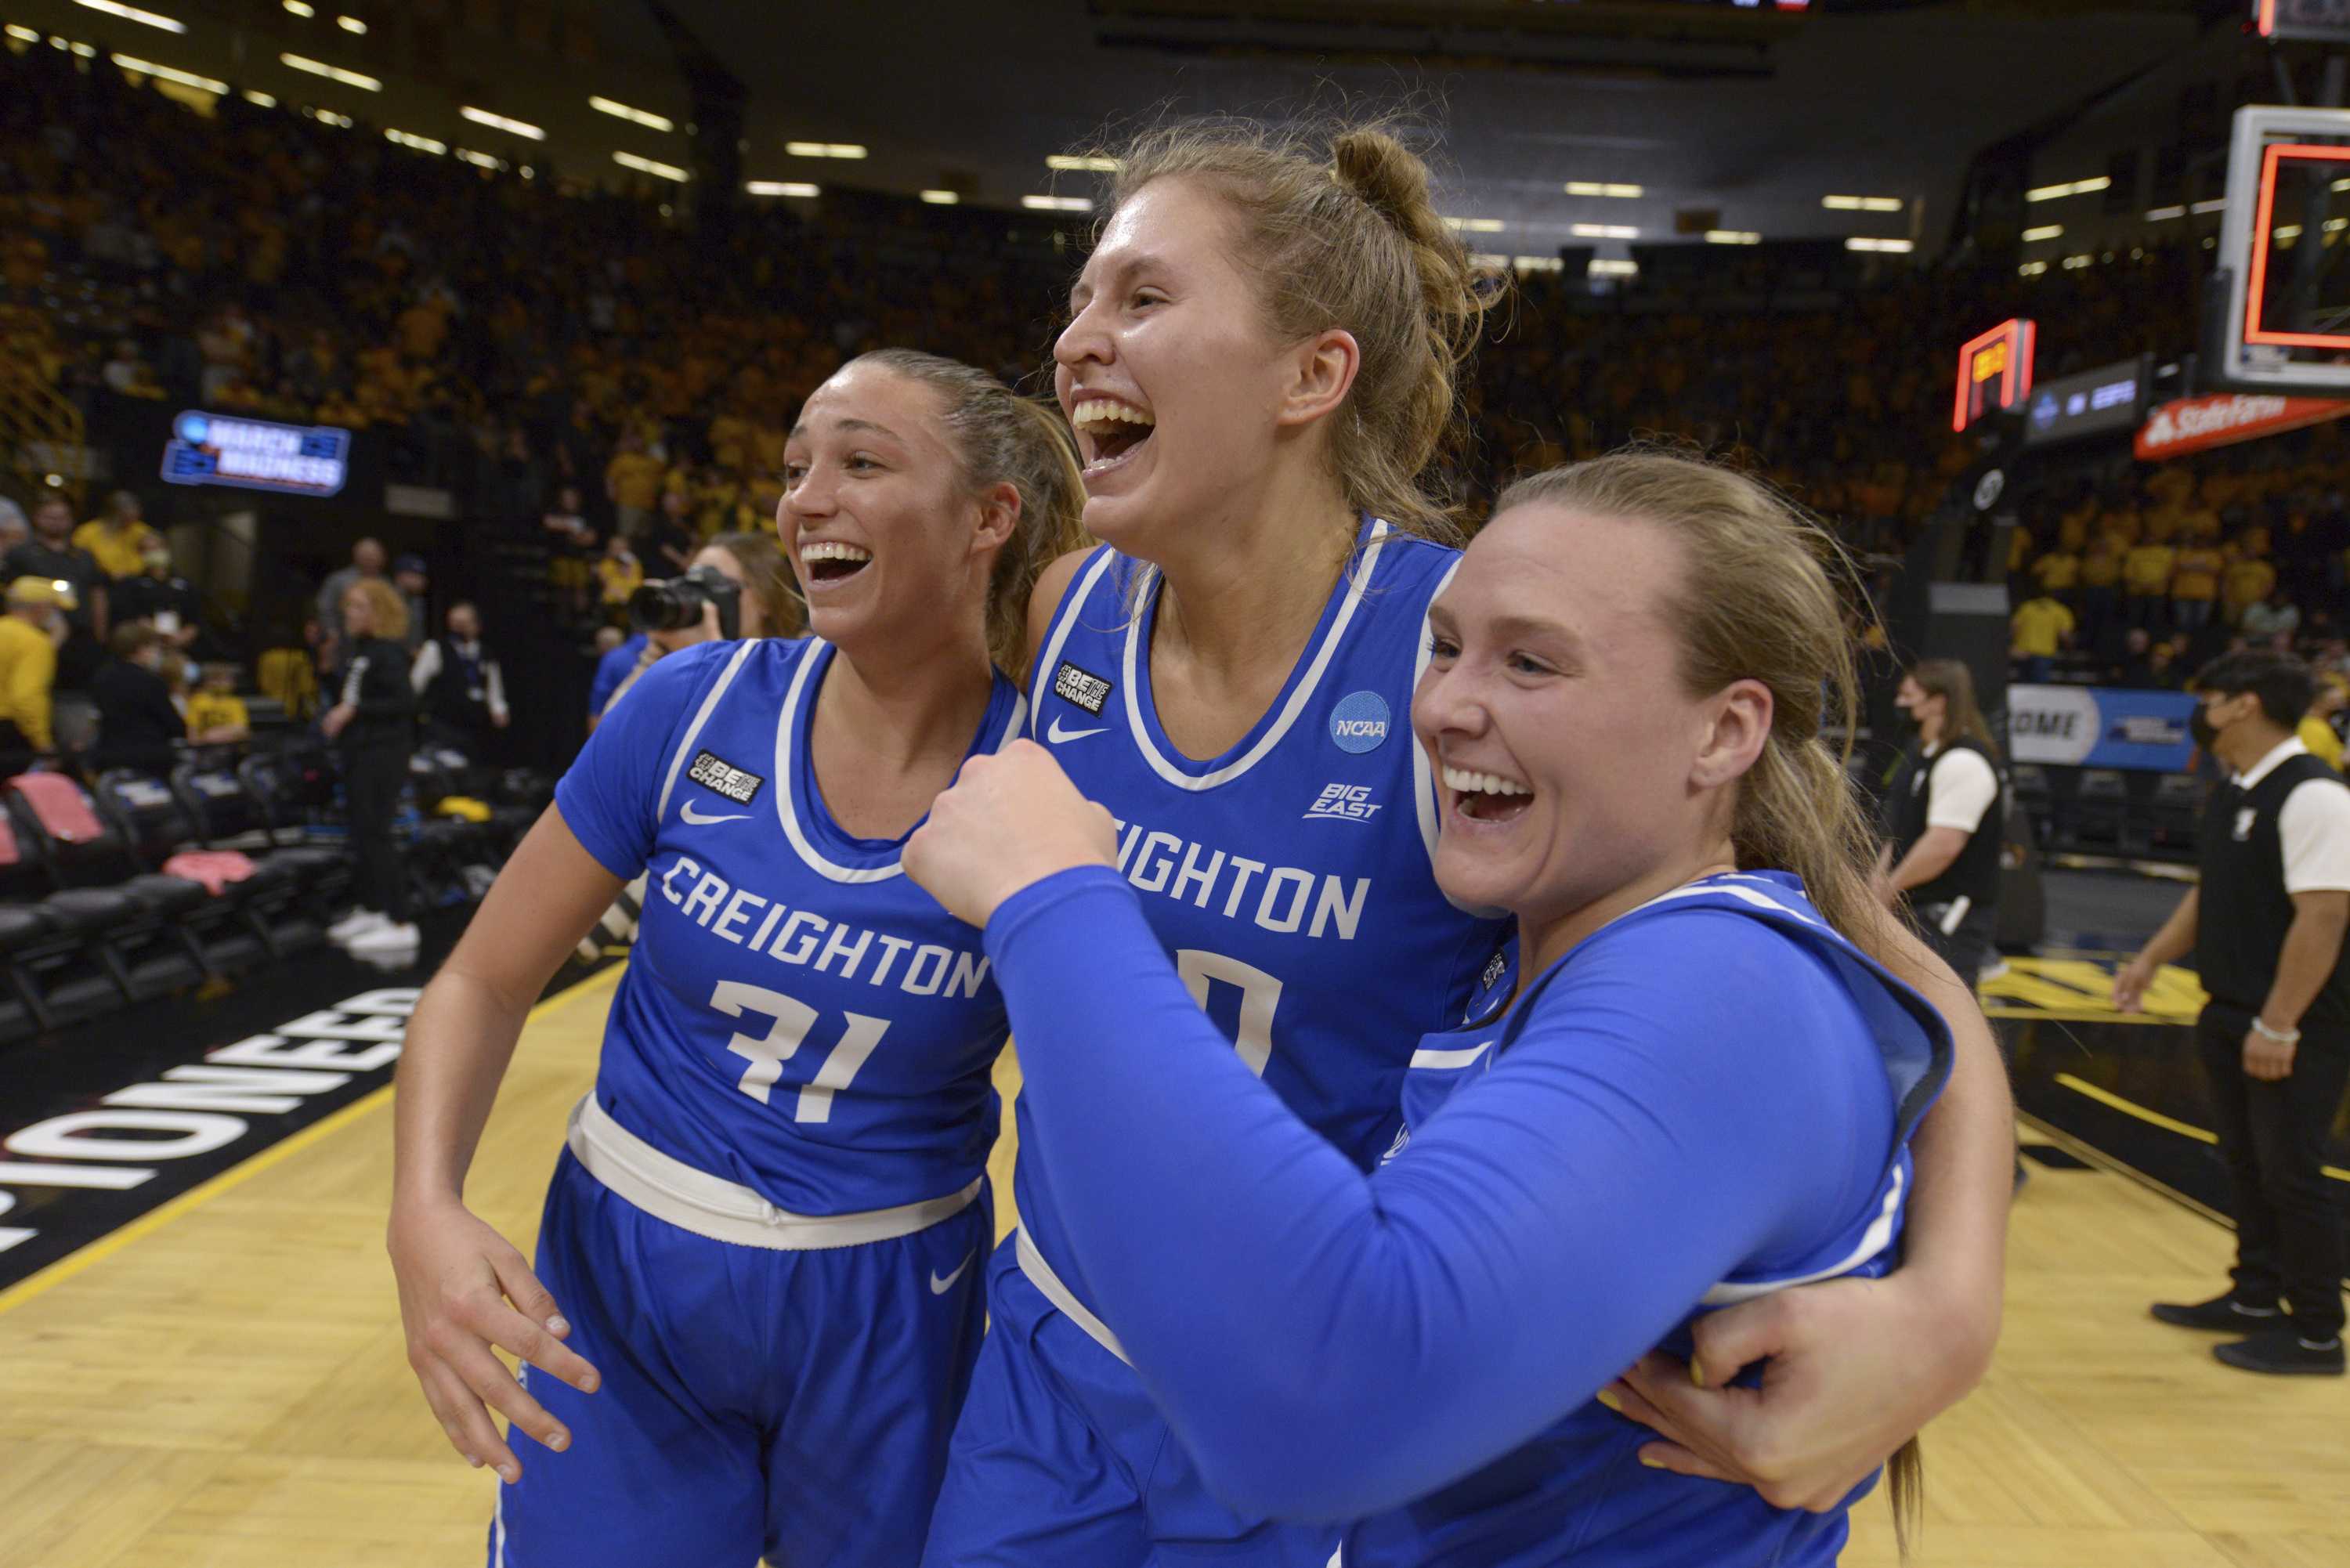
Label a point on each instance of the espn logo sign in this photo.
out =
(715, 773)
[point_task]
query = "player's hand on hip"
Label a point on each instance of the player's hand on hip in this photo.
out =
(1845, 1384)
(463, 1288)
(1011, 819)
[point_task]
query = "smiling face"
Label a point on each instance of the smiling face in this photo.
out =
(1572, 763)
(1166, 370)
(876, 521)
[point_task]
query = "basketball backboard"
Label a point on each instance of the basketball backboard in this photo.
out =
(2282, 294)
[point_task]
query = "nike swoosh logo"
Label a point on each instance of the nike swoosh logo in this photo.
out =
(940, 1287)
(700, 821)
(1056, 734)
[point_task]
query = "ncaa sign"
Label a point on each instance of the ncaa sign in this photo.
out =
(1359, 721)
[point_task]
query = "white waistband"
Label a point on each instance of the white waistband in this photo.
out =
(709, 1206)
(1040, 1274)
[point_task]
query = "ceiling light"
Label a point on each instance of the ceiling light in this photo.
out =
(1862, 204)
(1601, 266)
(1597, 188)
(940, 198)
(1733, 237)
(332, 73)
(1057, 203)
(1607, 232)
(2076, 188)
(2287, 231)
(2032, 269)
(23, 35)
(2164, 215)
(1896, 247)
(2046, 231)
(480, 160)
(782, 188)
(647, 166)
(2075, 262)
(265, 100)
(301, 7)
(418, 143)
(2216, 204)
(165, 73)
(1538, 264)
(1475, 225)
(824, 150)
(1071, 163)
(352, 25)
(500, 122)
(641, 116)
(133, 14)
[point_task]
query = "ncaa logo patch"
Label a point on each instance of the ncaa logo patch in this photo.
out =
(1359, 722)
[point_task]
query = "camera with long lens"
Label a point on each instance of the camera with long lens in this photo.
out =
(675, 603)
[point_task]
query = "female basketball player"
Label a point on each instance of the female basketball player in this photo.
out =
(1703, 1091)
(1260, 363)
(758, 1285)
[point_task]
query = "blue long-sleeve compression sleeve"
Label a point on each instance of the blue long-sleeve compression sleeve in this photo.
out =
(1695, 1095)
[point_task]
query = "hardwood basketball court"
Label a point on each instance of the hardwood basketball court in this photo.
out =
(221, 1385)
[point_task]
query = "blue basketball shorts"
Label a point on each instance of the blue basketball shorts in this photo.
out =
(1061, 1460)
(790, 1405)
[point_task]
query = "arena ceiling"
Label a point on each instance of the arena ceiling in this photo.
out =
(1755, 118)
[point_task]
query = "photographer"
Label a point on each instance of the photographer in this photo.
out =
(737, 585)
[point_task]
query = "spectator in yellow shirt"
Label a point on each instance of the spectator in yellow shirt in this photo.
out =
(2316, 734)
(118, 541)
(29, 668)
(633, 482)
(2194, 583)
(2248, 579)
(2039, 629)
(2058, 573)
(2145, 583)
(620, 574)
(2101, 576)
(216, 714)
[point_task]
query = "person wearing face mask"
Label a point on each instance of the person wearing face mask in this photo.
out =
(1700, 1091)
(1945, 818)
(138, 726)
(758, 1290)
(2265, 926)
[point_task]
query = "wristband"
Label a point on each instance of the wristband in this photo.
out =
(2273, 1036)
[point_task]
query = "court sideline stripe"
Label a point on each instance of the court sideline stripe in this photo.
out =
(2156, 1118)
(244, 1171)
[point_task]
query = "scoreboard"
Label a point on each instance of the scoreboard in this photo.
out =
(1994, 372)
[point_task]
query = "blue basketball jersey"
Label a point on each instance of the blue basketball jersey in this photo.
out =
(797, 1017)
(1576, 1492)
(1291, 878)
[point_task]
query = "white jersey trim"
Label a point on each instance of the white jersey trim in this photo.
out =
(1071, 608)
(693, 731)
(1358, 580)
(787, 726)
(1446, 1061)
(1875, 1240)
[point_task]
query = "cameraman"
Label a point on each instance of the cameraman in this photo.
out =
(767, 605)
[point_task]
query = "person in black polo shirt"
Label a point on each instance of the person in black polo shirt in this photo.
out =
(2266, 926)
(1944, 819)
(460, 688)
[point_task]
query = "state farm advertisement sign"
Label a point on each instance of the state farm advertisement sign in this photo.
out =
(2192, 424)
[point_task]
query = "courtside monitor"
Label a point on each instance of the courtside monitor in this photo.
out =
(1994, 372)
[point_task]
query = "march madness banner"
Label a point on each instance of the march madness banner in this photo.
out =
(2099, 727)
